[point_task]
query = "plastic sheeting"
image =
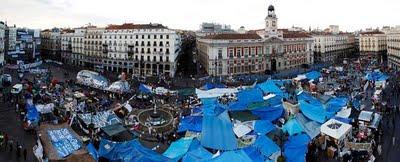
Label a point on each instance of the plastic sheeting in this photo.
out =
(336, 104)
(263, 126)
(131, 151)
(231, 156)
(32, 113)
(209, 86)
(270, 113)
(178, 148)
(255, 154)
(270, 87)
(63, 141)
(313, 112)
(376, 76)
(101, 119)
(92, 151)
(217, 131)
(190, 123)
(313, 75)
(309, 98)
(119, 87)
(43, 109)
(295, 148)
(292, 127)
(266, 146)
(92, 79)
(145, 88)
(216, 92)
(312, 128)
(197, 155)
(245, 97)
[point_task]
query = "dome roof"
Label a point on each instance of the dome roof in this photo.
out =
(271, 8)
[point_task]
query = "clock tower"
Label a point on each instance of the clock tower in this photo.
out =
(271, 23)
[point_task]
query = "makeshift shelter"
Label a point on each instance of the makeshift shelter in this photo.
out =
(313, 75)
(190, 123)
(311, 128)
(197, 155)
(295, 148)
(336, 129)
(245, 97)
(263, 126)
(336, 104)
(266, 146)
(269, 86)
(92, 79)
(119, 87)
(209, 86)
(271, 113)
(230, 156)
(178, 148)
(145, 89)
(313, 112)
(100, 119)
(292, 127)
(128, 151)
(216, 92)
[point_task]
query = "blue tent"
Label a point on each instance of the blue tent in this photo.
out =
(295, 148)
(336, 104)
(92, 151)
(266, 146)
(313, 75)
(269, 113)
(254, 154)
(190, 123)
(178, 148)
(131, 151)
(32, 113)
(263, 126)
(209, 86)
(292, 127)
(313, 112)
(231, 156)
(269, 86)
(309, 98)
(245, 97)
(217, 131)
(144, 88)
(197, 155)
(376, 76)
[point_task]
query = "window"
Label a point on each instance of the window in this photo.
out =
(148, 36)
(219, 53)
(161, 60)
(253, 51)
(231, 53)
(246, 52)
(155, 36)
(167, 59)
(148, 50)
(167, 51)
(154, 58)
(154, 43)
(238, 52)
(148, 43)
(142, 36)
(161, 37)
(142, 44)
(148, 58)
(137, 36)
(161, 43)
(167, 36)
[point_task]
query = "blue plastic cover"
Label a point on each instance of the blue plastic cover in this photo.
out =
(336, 104)
(178, 148)
(270, 87)
(344, 120)
(313, 75)
(190, 123)
(269, 113)
(63, 141)
(309, 98)
(292, 127)
(217, 132)
(245, 97)
(209, 86)
(376, 76)
(254, 154)
(313, 112)
(32, 113)
(144, 88)
(266, 146)
(231, 156)
(131, 151)
(295, 148)
(92, 151)
(263, 126)
(197, 155)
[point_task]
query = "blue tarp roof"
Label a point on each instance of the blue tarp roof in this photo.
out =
(144, 88)
(254, 154)
(197, 155)
(92, 151)
(344, 120)
(231, 156)
(336, 104)
(313, 112)
(217, 132)
(245, 97)
(312, 128)
(32, 113)
(190, 123)
(269, 86)
(209, 86)
(295, 148)
(263, 126)
(131, 151)
(178, 148)
(309, 98)
(63, 141)
(313, 75)
(292, 127)
(266, 146)
(269, 113)
(376, 76)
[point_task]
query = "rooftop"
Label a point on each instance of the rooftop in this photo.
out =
(136, 26)
(234, 36)
(372, 32)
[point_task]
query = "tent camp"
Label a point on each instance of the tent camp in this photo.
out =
(91, 79)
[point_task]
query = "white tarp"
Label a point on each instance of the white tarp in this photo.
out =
(119, 87)
(300, 77)
(91, 79)
(344, 113)
(335, 129)
(43, 109)
(216, 92)
(365, 116)
(241, 130)
(17, 88)
(269, 96)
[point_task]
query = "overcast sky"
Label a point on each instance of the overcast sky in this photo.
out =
(350, 15)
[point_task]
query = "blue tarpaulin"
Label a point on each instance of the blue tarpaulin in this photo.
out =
(336, 104)
(145, 88)
(376, 76)
(254, 154)
(313, 75)
(292, 127)
(197, 155)
(269, 113)
(209, 86)
(266, 146)
(245, 97)
(92, 151)
(217, 131)
(295, 148)
(270, 87)
(31, 112)
(131, 151)
(190, 123)
(309, 98)
(344, 120)
(313, 112)
(63, 141)
(263, 126)
(178, 148)
(231, 156)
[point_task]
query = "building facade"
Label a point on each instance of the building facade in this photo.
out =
(373, 44)
(393, 48)
(330, 47)
(51, 43)
(212, 29)
(256, 51)
(139, 49)
(3, 28)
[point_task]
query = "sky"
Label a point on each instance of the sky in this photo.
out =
(350, 15)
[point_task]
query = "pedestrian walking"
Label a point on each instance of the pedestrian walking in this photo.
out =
(25, 153)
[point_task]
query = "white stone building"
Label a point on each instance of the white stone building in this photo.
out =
(51, 43)
(3, 28)
(393, 48)
(329, 47)
(373, 44)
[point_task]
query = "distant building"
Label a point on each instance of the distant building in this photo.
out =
(212, 29)
(3, 28)
(330, 47)
(51, 43)
(373, 44)
(255, 51)
(393, 48)
(23, 44)
(334, 29)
